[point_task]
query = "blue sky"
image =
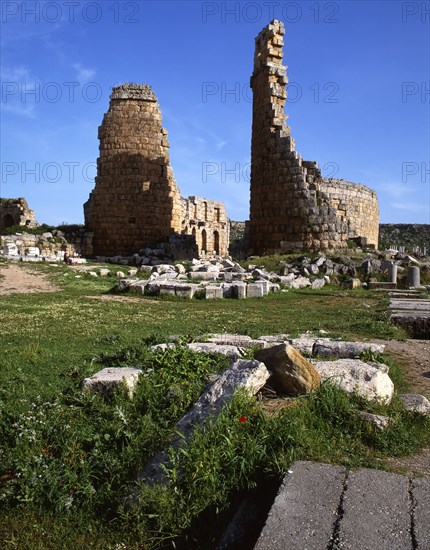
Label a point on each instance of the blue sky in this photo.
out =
(358, 94)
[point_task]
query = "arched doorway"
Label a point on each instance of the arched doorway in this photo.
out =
(8, 221)
(216, 243)
(203, 248)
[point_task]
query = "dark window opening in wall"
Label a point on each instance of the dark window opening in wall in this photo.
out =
(205, 204)
(216, 243)
(195, 211)
(217, 215)
(204, 241)
(8, 221)
(131, 220)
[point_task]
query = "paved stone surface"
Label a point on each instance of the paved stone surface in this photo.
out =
(376, 512)
(411, 310)
(421, 513)
(304, 512)
(326, 507)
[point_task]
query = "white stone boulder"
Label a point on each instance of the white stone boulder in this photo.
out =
(208, 347)
(352, 375)
(344, 350)
(318, 283)
(415, 403)
(240, 340)
(251, 375)
(106, 380)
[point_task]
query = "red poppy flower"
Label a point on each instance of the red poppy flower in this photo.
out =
(243, 419)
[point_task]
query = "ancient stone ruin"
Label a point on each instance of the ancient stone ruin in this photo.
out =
(292, 207)
(136, 202)
(16, 212)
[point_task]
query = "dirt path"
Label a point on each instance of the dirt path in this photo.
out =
(19, 279)
(414, 356)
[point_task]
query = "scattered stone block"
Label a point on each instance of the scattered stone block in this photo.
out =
(213, 292)
(255, 290)
(318, 283)
(104, 272)
(239, 289)
(123, 284)
(415, 403)
(352, 283)
(167, 289)
(224, 349)
(250, 375)
(106, 380)
(377, 420)
(294, 374)
(352, 375)
(239, 340)
(92, 273)
(185, 290)
(204, 275)
(344, 350)
(138, 287)
(132, 272)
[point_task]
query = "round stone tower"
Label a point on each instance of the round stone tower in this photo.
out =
(135, 202)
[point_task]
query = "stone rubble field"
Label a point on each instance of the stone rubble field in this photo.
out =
(223, 278)
(278, 360)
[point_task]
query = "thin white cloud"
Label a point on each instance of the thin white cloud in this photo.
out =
(410, 206)
(18, 91)
(396, 190)
(83, 74)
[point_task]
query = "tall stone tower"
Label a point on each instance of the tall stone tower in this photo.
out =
(135, 201)
(292, 207)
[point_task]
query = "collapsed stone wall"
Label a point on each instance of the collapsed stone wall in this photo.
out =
(292, 207)
(358, 205)
(136, 202)
(16, 212)
(207, 221)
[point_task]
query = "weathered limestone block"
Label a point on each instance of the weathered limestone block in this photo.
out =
(377, 420)
(352, 283)
(256, 290)
(213, 292)
(354, 375)
(138, 287)
(415, 403)
(344, 350)
(250, 375)
(123, 284)
(208, 347)
(318, 283)
(240, 289)
(106, 380)
(293, 373)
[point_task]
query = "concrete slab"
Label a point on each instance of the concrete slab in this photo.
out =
(305, 511)
(376, 512)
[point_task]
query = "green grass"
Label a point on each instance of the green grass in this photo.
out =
(68, 458)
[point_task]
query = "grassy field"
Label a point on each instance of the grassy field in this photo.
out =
(67, 459)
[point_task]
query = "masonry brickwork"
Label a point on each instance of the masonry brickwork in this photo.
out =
(207, 221)
(136, 202)
(16, 212)
(292, 207)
